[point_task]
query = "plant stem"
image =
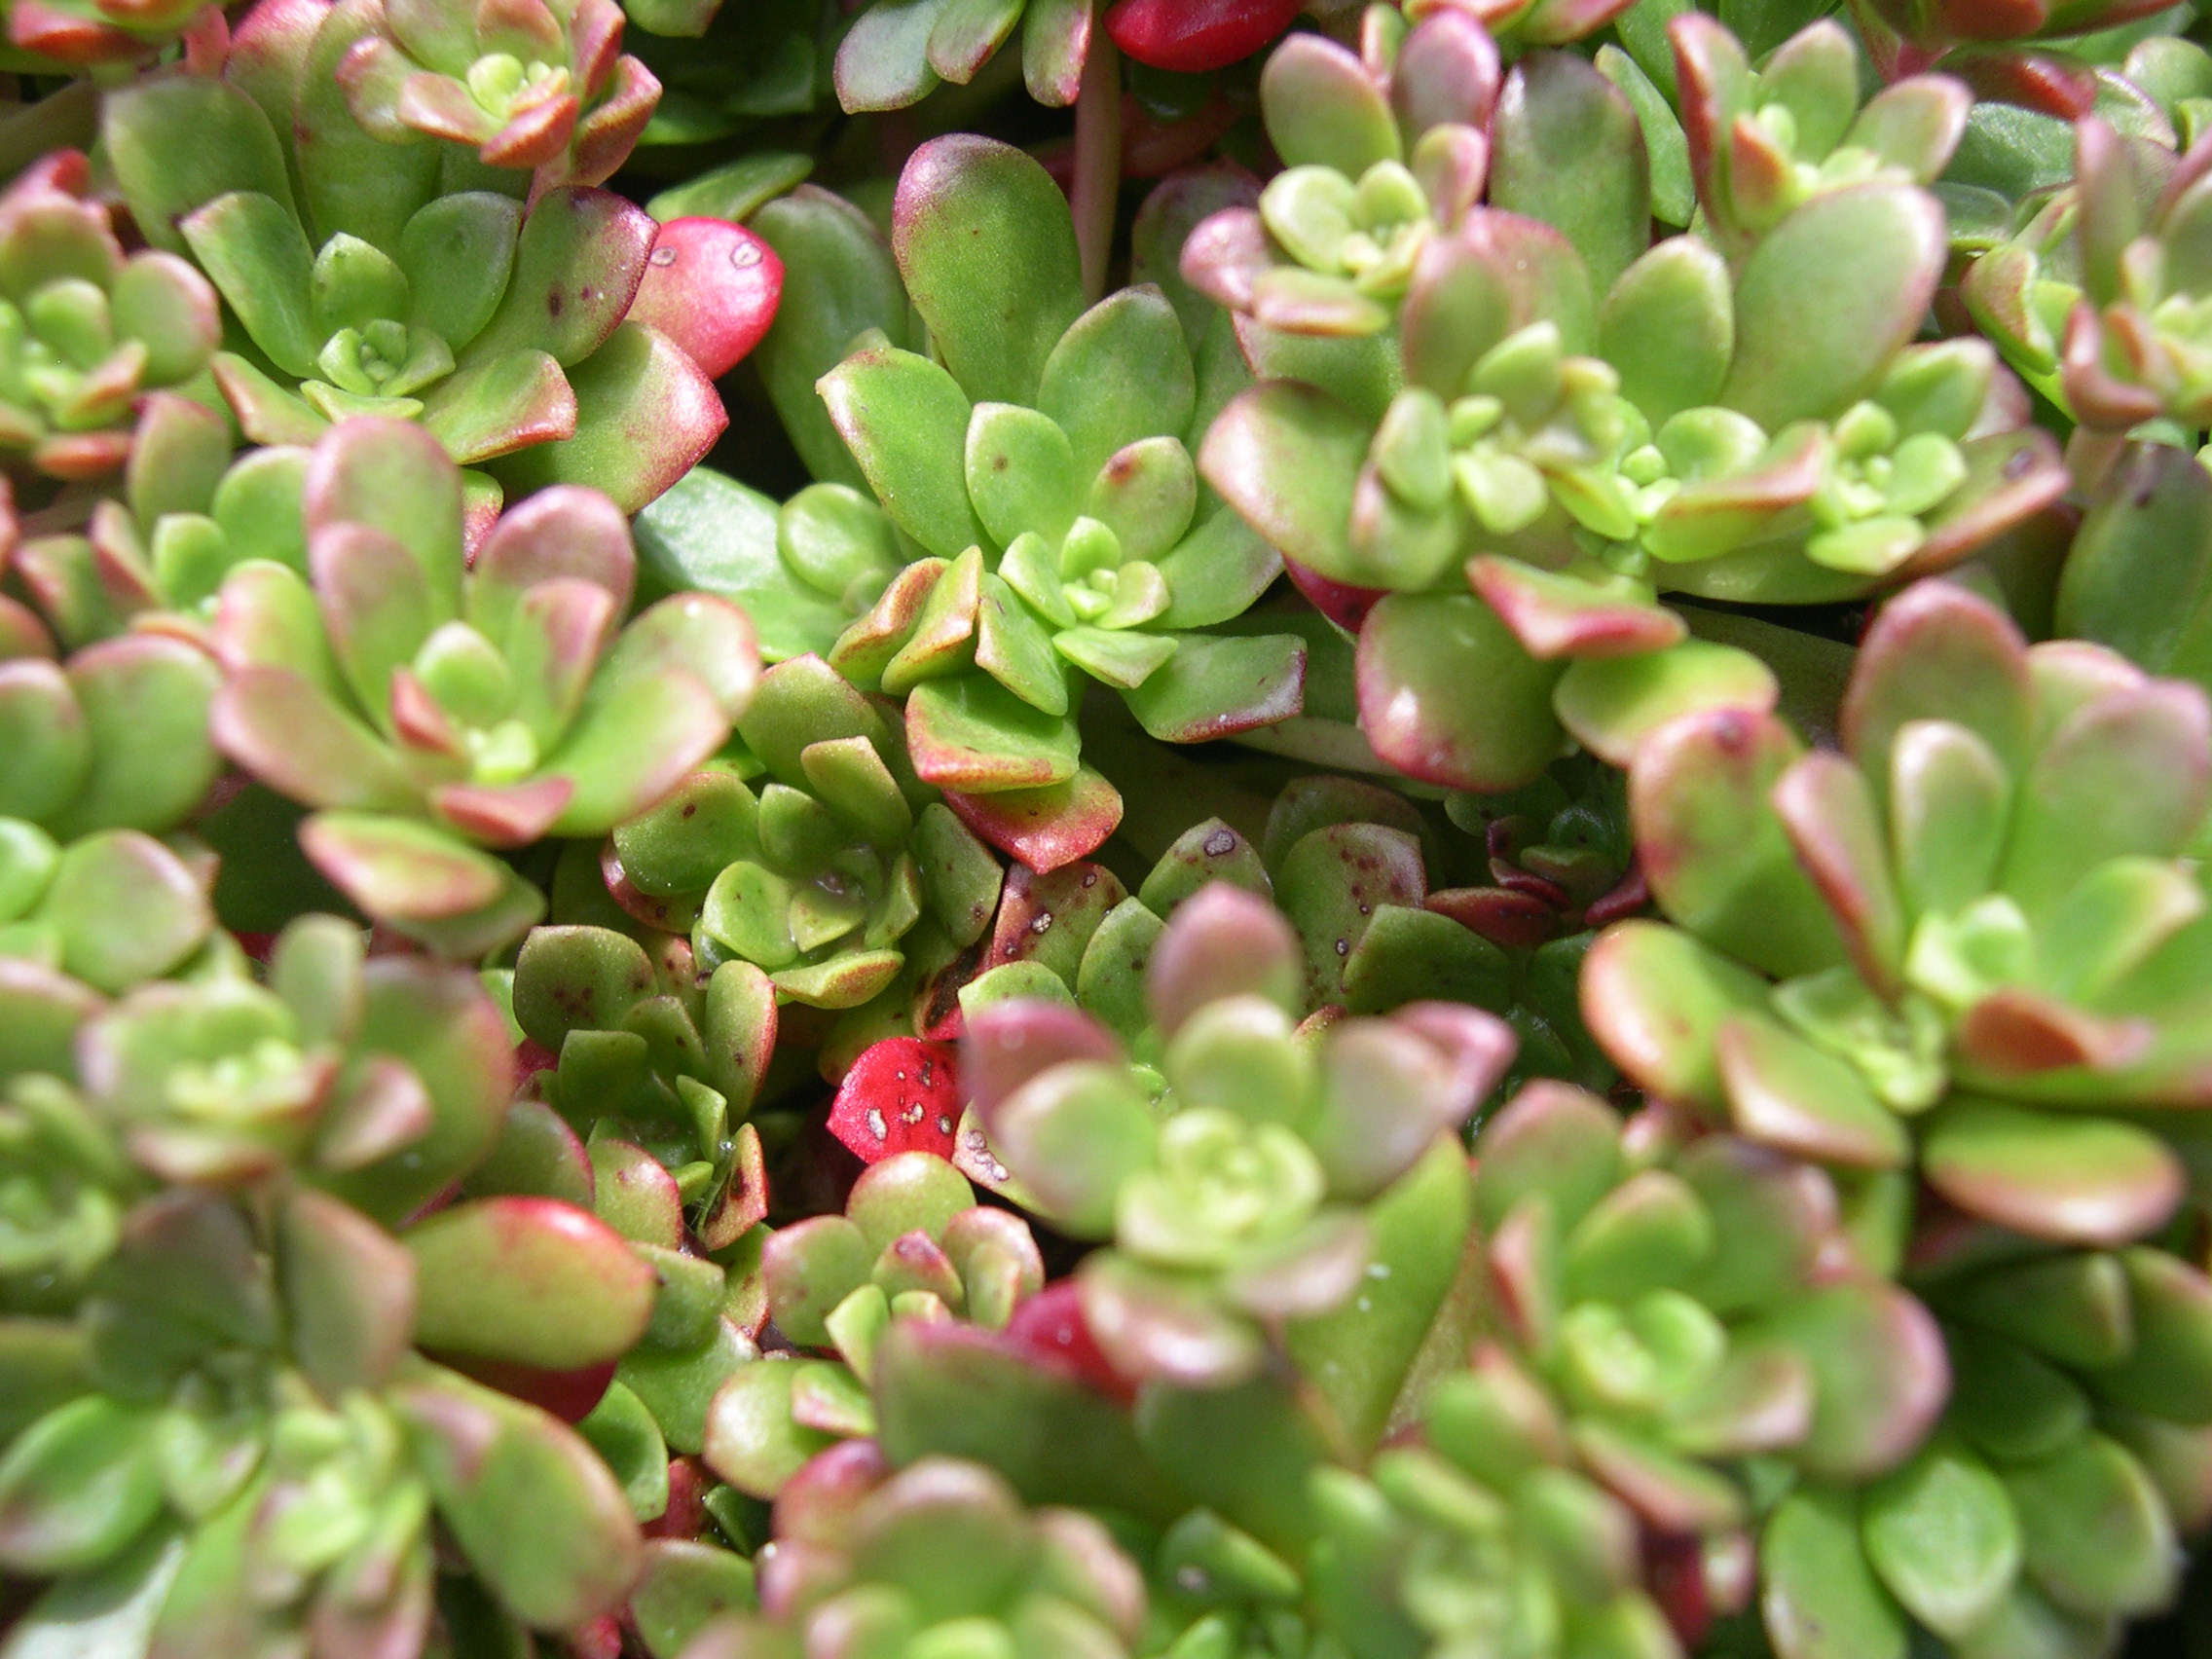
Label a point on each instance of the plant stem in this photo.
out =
(1097, 158)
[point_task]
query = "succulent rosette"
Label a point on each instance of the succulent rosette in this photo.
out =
(103, 755)
(2095, 300)
(1039, 463)
(503, 331)
(1231, 1181)
(658, 1056)
(940, 1557)
(1381, 149)
(819, 870)
(1920, 957)
(2048, 1506)
(85, 328)
(540, 85)
(912, 1244)
(1587, 420)
(428, 709)
(241, 1355)
(152, 557)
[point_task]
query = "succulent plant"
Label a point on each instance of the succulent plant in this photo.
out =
(2046, 1508)
(1920, 956)
(1383, 151)
(240, 1363)
(541, 85)
(501, 331)
(84, 329)
(912, 1244)
(427, 710)
(1586, 420)
(88, 35)
(818, 872)
(2095, 299)
(101, 756)
(895, 54)
(1041, 472)
(1230, 1181)
(938, 1557)
(155, 557)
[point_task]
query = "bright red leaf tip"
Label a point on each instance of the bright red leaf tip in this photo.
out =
(1193, 35)
(902, 1095)
(712, 287)
(1049, 1328)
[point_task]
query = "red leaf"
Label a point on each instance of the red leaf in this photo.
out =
(1340, 603)
(569, 1395)
(1048, 1329)
(902, 1095)
(1191, 36)
(712, 287)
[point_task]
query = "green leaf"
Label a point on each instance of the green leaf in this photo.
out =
(1942, 1536)
(2095, 1534)
(644, 415)
(1322, 109)
(1669, 326)
(983, 238)
(971, 734)
(1566, 149)
(1816, 1594)
(182, 140)
(1357, 1360)
(1218, 684)
(906, 421)
(77, 1487)
(1656, 998)
(531, 1281)
(534, 1511)
(1122, 372)
(1286, 456)
(711, 532)
(127, 909)
(1612, 704)
(1828, 298)
(1715, 851)
(1021, 473)
(459, 252)
(576, 265)
(1448, 696)
(252, 249)
(2063, 1176)
(839, 282)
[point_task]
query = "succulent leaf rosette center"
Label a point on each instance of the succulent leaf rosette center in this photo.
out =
(1222, 1186)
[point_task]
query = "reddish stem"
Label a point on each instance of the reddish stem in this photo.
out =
(1097, 160)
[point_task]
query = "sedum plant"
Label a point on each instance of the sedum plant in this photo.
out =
(912, 1244)
(819, 870)
(938, 1557)
(428, 709)
(1586, 420)
(157, 554)
(430, 298)
(1230, 1181)
(2049, 1504)
(1043, 472)
(542, 87)
(103, 756)
(2095, 299)
(86, 330)
(225, 1351)
(1919, 955)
